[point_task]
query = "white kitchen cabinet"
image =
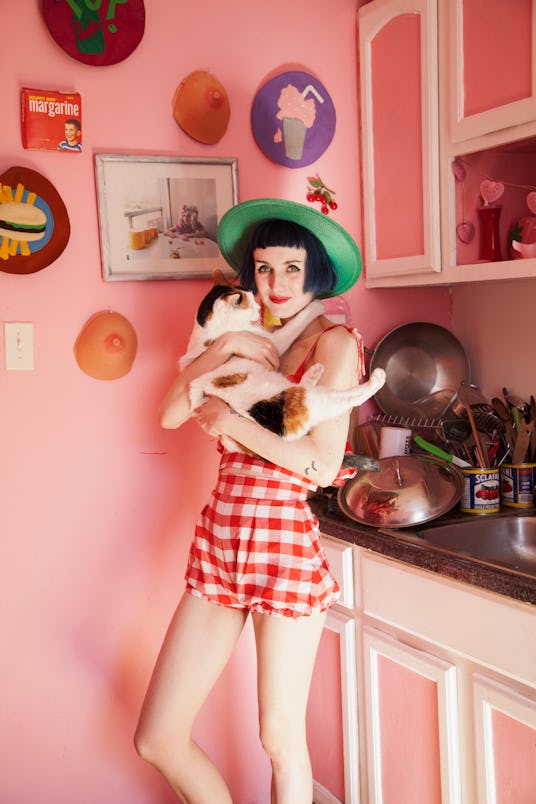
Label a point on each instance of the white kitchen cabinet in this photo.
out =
(332, 714)
(481, 82)
(485, 41)
(412, 728)
(400, 139)
(424, 689)
(463, 663)
(505, 738)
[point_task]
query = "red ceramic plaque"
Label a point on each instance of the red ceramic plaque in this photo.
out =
(97, 32)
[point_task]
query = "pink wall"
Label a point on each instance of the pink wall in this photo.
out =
(98, 504)
(495, 323)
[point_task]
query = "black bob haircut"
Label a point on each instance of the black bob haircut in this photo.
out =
(320, 274)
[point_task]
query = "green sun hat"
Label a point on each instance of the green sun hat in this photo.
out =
(239, 222)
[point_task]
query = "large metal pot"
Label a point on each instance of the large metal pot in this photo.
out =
(425, 365)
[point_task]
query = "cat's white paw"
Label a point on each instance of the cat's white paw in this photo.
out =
(377, 378)
(312, 375)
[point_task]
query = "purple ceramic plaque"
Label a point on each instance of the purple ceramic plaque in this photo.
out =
(293, 119)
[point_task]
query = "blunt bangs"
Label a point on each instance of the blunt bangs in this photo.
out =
(320, 274)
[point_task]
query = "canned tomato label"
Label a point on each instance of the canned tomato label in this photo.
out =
(481, 493)
(517, 484)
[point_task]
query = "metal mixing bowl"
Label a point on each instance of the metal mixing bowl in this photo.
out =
(425, 365)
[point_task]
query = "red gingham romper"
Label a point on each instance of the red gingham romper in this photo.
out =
(257, 544)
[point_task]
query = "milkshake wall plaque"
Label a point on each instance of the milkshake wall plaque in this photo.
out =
(293, 119)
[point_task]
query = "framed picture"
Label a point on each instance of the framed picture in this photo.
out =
(159, 215)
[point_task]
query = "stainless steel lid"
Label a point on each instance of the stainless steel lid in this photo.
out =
(407, 490)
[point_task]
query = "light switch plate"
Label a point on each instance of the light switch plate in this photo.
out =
(19, 346)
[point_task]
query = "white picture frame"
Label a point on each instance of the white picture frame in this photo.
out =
(148, 205)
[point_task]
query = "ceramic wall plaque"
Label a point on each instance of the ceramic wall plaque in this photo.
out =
(34, 225)
(96, 33)
(293, 119)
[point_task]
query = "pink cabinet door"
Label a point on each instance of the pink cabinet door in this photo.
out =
(399, 133)
(492, 64)
(412, 732)
(332, 715)
(505, 726)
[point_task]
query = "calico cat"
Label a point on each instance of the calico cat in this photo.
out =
(287, 409)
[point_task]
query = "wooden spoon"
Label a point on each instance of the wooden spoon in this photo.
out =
(462, 396)
(532, 453)
(504, 415)
(500, 409)
(522, 442)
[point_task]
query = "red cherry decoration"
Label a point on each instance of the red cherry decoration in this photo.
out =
(318, 192)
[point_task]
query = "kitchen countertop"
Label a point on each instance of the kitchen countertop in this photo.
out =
(462, 568)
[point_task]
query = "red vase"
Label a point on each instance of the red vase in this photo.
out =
(490, 243)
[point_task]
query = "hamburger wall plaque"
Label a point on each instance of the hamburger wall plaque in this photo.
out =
(34, 225)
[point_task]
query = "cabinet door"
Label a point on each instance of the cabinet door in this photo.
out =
(492, 65)
(332, 730)
(412, 724)
(505, 730)
(399, 119)
(340, 559)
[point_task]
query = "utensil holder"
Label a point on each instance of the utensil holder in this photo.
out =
(481, 493)
(518, 482)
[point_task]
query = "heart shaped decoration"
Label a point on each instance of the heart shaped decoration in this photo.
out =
(465, 231)
(531, 202)
(491, 191)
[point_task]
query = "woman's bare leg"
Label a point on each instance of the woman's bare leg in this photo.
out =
(286, 650)
(198, 644)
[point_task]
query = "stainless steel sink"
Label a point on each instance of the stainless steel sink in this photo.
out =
(506, 541)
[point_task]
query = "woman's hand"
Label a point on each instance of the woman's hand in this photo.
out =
(175, 408)
(251, 346)
(213, 415)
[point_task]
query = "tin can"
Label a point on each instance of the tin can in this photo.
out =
(518, 481)
(481, 493)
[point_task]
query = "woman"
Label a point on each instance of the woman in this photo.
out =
(257, 547)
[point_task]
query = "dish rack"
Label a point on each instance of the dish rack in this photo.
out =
(452, 432)
(411, 422)
(486, 420)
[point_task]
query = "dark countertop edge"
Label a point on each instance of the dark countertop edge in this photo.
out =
(335, 524)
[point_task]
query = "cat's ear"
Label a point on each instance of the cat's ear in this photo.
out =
(220, 279)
